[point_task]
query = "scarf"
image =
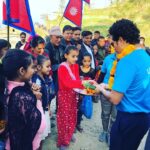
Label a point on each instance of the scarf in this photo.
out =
(127, 50)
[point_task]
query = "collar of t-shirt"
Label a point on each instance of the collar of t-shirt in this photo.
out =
(90, 52)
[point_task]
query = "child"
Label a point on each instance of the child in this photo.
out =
(95, 50)
(42, 79)
(86, 73)
(4, 46)
(98, 63)
(25, 116)
(68, 79)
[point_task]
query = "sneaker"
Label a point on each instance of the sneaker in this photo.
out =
(103, 137)
(108, 139)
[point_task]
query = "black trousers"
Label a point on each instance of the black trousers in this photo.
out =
(147, 144)
(128, 130)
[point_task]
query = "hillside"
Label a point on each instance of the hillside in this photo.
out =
(136, 10)
(101, 19)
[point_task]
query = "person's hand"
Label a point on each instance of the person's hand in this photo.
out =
(101, 87)
(104, 86)
(79, 46)
(38, 95)
(98, 89)
(35, 87)
(36, 91)
(84, 82)
(92, 82)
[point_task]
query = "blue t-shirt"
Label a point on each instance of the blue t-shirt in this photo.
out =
(107, 65)
(132, 78)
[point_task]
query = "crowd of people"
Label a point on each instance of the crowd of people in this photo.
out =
(39, 70)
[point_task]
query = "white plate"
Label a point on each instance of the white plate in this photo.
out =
(82, 91)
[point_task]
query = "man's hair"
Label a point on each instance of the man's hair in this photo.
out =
(23, 33)
(67, 28)
(101, 37)
(76, 29)
(126, 29)
(142, 38)
(86, 33)
(97, 32)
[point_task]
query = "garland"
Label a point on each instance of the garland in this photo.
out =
(129, 49)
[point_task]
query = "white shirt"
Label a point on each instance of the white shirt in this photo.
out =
(90, 52)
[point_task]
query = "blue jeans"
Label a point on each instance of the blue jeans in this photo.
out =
(108, 114)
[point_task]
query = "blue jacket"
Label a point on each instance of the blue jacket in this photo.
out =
(47, 89)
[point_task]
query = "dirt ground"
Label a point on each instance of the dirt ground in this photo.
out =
(88, 140)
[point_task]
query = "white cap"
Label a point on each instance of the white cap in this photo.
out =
(55, 30)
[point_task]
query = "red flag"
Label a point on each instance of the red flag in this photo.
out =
(4, 11)
(73, 12)
(16, 13)
(87, 1)
(11, 13)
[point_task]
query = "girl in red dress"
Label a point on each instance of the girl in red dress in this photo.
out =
(68, 79)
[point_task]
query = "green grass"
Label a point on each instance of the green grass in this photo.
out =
(102, 19)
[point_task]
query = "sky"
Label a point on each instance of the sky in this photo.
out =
(40, 7)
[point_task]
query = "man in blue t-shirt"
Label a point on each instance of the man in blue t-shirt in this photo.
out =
(131, 88)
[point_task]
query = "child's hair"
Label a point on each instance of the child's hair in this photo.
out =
(41, 59)
(13, 60)
(3, 44)
(36, 40)
(70, 48)
(87, 55)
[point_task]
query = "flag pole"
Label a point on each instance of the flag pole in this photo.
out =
(8, 29)
(61, 20)
(8, 19)
(62, 7)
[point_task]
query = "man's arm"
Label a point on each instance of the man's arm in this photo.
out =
(113, 96)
